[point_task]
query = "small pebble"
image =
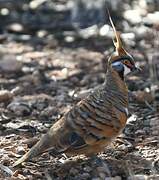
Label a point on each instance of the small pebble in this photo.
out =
(15, 27)
(19, 108)
(155, 133)
(5, 95)
(20, 150)
(85, 175)
(9, 64)
(87, 169)
(102, 175)
(97, 178)
(138, 177)
(140, 132)
(101, 169)
(142, 96)
(73, 171)
(154, 121)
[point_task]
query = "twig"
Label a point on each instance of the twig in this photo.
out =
(153, 109)
(6, 169)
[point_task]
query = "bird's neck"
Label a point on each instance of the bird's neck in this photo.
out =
(116, 86)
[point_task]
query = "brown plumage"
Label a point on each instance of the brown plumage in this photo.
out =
(92, 123)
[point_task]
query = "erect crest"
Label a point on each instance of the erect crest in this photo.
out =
(117, 43)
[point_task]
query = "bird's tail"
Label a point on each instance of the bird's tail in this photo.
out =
(42, 145)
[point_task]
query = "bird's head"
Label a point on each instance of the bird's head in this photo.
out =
(121, 61)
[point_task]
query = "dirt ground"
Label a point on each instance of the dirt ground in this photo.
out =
(46, 67)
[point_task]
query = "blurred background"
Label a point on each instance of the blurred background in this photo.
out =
(52, 53)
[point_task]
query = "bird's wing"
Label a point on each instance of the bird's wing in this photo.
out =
(91, 120)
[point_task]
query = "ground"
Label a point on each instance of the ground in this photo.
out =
(44, 72)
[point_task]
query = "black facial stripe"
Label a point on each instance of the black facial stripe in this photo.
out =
(124, 57)
(128, 66)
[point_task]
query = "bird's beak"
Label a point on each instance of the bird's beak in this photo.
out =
(136, 69)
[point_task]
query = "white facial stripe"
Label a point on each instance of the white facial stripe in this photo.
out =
(116, 63)
(126, 70)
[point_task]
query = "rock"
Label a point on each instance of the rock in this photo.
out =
(102, 169)
(83, 93)
(116, 178)
(154, 122)
(143, 177)
(87, 169)
(20, 150)
(16, 90)
(140, 132)
(143, 32)
(5, 95)
(104, 30)
(132, 119)
(113, 178)
(73, 171)
(153, 177)
(137, 177)
(134, 16)
(36, 3)
(9, 64)
(15, 27)
(142, 97)
(102, 175)
(32, 141)
(152, 18)
(65, 72)
(124, 148)
(97, 178)
(42, 129)
(85, 176)
(19, 108)
(155, 132)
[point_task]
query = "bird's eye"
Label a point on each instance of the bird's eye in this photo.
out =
(126, 62)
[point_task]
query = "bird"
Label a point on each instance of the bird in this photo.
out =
(95, 121)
